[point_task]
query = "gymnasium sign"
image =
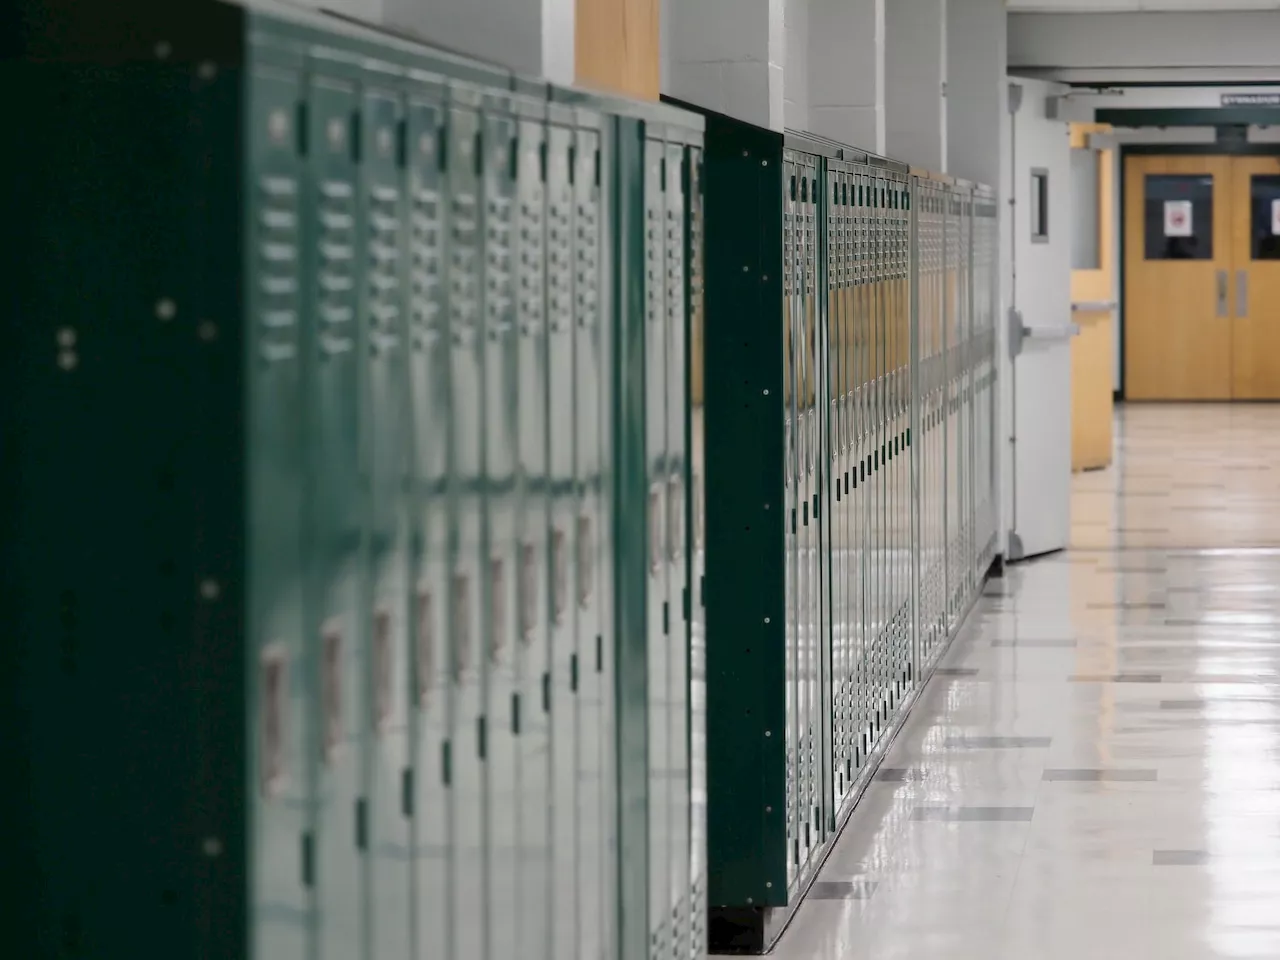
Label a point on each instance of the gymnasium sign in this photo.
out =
(1251, 99)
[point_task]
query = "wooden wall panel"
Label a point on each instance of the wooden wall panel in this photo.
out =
(617, 46)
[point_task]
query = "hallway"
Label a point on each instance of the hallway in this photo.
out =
(1094, 772)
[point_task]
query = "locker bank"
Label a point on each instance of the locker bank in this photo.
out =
(631, 480)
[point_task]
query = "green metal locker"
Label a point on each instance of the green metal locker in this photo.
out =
(499, 165)
(533, 792)
(563, 532)
(335, 545)
(592, 400)
(470, 571)
(429, 352)
(385, 449)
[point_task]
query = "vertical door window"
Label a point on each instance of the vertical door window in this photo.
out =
(1264, 200)
(1178, 216)
(1039, 206)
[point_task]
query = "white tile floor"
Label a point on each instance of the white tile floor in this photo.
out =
(1098, 775)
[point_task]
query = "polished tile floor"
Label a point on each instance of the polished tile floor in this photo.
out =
(1096, 772)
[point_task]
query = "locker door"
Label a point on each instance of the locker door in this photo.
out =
(656, 456)
(697, 559)
(336, 523)
(501, 385)
(430, 394)
(677, 538)
(534, 794)
(469, 565)
(563, 553)
(793, 291)
(595, 795)
(385, 467)
(277, 679)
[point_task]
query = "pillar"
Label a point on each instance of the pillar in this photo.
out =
(915, 82)
(534, 37)
(977, 51)
(727, 56)
(846, 71)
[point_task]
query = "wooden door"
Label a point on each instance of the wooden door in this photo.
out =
(1255, 279)
(1178, 260)
(1092, 308)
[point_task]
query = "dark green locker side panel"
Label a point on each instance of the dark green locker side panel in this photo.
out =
(277, 665)
(429, 389)
(335, 541)
(465, 304)
(498, 164)
(532, 793)
(386, 452)
(124, 592)
(745, 665)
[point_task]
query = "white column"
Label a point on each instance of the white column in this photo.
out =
(534, 37)
(727, 56)
(915, 82)
(846, 71)
(977, 52)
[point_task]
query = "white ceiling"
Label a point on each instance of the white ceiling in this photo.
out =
(1128, 6)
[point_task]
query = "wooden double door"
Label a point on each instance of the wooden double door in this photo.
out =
(1202, 278)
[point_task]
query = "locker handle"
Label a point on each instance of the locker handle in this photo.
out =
(586, 562)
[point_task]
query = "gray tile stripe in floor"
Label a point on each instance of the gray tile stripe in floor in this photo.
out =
(1094, 775)
(940, 814)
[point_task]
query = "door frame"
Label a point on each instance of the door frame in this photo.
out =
(1165, 150)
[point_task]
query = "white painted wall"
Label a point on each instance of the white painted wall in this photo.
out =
(977, 42)
(796, 60)
(513, 33)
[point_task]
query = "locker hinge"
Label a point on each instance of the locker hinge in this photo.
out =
(546, 693)
(515, 714)
(573, 163)
(573, 672)
(482, 737)
(446, 763)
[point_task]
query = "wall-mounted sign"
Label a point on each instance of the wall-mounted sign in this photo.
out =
(1177, 218)
(1251, 99)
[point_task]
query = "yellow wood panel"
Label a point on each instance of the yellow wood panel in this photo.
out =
(1091, 390)
(1176, 347)
(1093, 352)
(1255, 325)
(617, 46)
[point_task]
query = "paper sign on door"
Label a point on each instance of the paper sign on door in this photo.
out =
(1177, 218)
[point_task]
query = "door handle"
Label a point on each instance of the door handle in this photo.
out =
(1242, 293)
(1099, 306)
(1064, 332)
(1222, 293)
